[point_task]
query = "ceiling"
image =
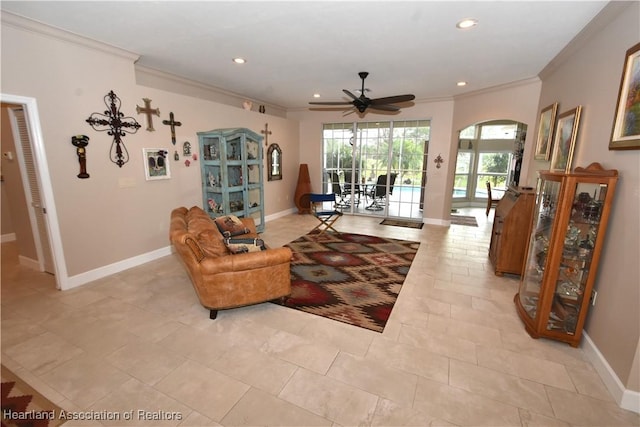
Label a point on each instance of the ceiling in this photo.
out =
(296, 49)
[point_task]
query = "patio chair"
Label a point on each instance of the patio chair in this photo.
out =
(379, 192)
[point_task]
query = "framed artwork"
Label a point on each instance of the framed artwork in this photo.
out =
(545, 132)
(156, 165)
(626, 124)
(564, 142)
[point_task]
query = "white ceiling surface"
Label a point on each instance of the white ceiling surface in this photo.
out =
(295, 49)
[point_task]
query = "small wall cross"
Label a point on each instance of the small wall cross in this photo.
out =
(148, 111)
(171, 122)
(266, 132)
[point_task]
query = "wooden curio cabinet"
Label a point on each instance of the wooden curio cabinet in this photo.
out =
(510, 232)
(231, 167)
(569, 227)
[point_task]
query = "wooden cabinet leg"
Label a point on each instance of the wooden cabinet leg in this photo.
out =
(213, 314)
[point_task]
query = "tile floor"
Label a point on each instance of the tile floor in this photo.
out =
(453, 352)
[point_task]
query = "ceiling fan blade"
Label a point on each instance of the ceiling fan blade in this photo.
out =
(350, 94)
(392, 99)
(384, 107)
(331, 103)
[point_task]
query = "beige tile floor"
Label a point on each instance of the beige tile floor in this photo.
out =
(453, 352)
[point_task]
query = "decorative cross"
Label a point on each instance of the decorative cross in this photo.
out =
(438, 161)
(117, 126)
(266, 132)
(173, 125)
(148, 111)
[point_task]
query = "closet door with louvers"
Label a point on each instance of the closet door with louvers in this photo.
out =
(32, 189)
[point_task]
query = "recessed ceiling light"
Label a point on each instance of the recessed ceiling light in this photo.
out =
(467, 23)
(316, 95)
(239, 60)
(461, 83)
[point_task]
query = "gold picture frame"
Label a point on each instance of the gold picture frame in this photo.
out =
(564, 141)
(625, 134)
(545, 132)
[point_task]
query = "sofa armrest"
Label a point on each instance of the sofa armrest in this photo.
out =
(246, 261)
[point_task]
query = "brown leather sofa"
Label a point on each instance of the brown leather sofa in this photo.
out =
(221, 279)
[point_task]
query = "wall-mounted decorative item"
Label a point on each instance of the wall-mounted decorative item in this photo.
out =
(187, 163)
(116, 125)
(81, 142)
(148, 111)
(266, 132)
(247, 105)
(564, 141)
(171, 122)
(156, 165)
(262, 109)
(626, 125)
(176, 156)
(186, 148)
(545, 132)
(274, 163)
(438, 161)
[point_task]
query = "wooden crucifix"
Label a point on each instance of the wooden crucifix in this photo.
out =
(148, 111)
(171, 122)
(116, 125)
(266, 132)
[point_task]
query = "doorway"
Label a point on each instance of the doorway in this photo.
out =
(487, 152)
(377, 168)
(38, 192)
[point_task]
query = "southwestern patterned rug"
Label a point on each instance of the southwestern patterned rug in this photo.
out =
(23, 406)
(351, 278)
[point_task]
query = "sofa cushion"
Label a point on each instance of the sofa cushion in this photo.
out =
(230, 225)
(240, 246)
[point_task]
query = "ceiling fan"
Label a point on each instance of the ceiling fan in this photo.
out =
(361, 103)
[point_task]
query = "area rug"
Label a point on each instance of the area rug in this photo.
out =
(23, 406)
(402, 223)
(471, 221)
(351, 278)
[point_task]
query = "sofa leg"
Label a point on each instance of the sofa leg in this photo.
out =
(213, 314)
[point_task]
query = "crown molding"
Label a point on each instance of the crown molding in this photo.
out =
(169, 82)
(608, 13)
(517, 83)
(37, 27)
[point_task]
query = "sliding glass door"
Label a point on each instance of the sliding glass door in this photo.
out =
(376, 168)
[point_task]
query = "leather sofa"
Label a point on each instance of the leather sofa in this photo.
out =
(221, 278)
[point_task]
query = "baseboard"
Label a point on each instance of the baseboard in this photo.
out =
(29, 262)
(9, 237)
(434, 221)
(280, 214)
(107, 270)
(626, 399)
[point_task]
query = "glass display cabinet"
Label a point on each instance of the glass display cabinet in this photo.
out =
(569, 226)
(231, 167)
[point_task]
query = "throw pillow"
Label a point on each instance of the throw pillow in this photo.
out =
(241, 246)
(230, 225)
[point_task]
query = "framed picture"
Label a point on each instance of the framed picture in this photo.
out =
(626, 124)
(545, 131)
(564, 141)
(156, 165)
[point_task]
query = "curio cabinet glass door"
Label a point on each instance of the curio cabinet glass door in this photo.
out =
(568, 233)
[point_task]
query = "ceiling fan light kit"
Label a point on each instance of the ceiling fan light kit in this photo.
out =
(362, 102)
